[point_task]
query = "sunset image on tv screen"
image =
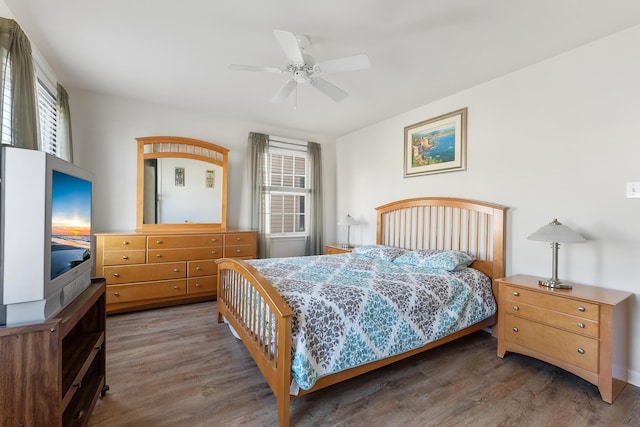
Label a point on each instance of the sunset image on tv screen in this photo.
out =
(70, 222)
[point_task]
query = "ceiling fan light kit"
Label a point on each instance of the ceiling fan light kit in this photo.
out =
(302, 68)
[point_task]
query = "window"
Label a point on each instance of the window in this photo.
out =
(47, 119)
(287, 200)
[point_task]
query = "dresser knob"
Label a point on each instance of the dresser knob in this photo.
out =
(175, 270)
(176, 287)
(516, 294)
(580, 325)
(515, 329)
(198, 268)
(213, 252)
(197, 285)
(582, 309)
(214, 240)
(516, 308)
(158, 242)
(158, 256)
(125, 257)
(238, 238)
(116, 274)
(125, 243)
(116, 294)
(580, 350)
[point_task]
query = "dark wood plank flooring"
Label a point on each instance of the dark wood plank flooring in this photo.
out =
(177, 367)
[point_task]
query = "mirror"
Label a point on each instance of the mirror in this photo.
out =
(182, 184)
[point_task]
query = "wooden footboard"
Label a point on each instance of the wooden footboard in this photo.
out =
(262, 319)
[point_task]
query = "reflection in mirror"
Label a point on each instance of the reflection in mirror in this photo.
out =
(181, 184)
(180, 190)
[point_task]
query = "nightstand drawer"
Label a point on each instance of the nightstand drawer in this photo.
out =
(571, 348)
(556, 319)
(554, 302)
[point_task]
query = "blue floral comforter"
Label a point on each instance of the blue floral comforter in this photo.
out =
(350, 309)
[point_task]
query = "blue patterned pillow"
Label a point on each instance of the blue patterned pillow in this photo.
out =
(441, 260)
(387, 253)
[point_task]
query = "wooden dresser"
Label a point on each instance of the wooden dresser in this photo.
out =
(582, 330)
(152, 269)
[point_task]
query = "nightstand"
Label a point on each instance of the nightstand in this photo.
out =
(337, 249)
(582, 330)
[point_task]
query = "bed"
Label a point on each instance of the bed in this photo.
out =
(253, 301)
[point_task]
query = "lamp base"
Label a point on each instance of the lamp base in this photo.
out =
(553, 283)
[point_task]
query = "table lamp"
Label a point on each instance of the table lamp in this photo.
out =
(348, 221)
(555, 233)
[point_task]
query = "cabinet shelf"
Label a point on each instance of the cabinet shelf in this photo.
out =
(53, 372)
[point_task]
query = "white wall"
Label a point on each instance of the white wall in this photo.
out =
(557, 139)
(104, 131)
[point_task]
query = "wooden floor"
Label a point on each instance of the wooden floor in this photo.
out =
(178, 367)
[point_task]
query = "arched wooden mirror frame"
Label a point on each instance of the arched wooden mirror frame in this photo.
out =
(157, 147)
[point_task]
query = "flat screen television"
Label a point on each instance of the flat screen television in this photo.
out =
(46, 257)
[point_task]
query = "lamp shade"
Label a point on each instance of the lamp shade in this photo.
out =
(556, 232)
(348, 220)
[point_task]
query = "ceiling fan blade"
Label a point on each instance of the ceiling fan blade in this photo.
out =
(289, 44)
(240, 67)
(349, 63)
(332, 91)
(284, 91)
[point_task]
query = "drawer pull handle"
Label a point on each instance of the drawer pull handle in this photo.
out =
(213, 252)
(158, 256)
(214, 240)
(176, 287)
(125, 257)
(198, 268)
(516, 308)
(516, 293)
(515, 329)
(116, 274)
(238, 238)
(125, 243)
(580, 350)
(175, 270)
(580, 325)
(197, 285)
(582, 309)
(116, 294)
(158, 242)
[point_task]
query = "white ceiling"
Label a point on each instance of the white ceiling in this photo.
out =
(177, 52)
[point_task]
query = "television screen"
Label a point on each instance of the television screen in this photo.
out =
(70, 222)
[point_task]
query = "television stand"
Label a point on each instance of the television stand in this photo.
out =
(52, 372)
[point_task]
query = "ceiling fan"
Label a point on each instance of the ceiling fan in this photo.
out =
(302, 68)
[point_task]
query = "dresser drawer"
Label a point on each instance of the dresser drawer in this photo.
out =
(144, 291)
(124, 241)
(235, 239)
(124, 257)
(202, 268)
(586, 310)
(168, 255)
(181, 242)
(574, 349)
(199, 285)
(553, 318)
(146, 272)
(245, 251)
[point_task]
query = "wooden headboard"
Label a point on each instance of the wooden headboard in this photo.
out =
(446, 223)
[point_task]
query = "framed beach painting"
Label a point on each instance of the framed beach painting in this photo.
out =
(436, 145)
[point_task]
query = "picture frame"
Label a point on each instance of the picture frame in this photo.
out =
(179, 176)
(436, 145)
(210, 179)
